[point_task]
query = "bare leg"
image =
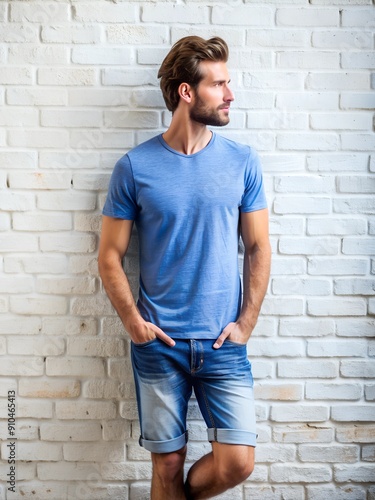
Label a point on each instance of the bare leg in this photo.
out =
(168, 475)
(225, 467)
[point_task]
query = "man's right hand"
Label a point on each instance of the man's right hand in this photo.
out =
(145, 331)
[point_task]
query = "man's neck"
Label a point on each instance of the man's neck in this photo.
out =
(186, 136)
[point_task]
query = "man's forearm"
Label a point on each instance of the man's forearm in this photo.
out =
(256, 272)
(119, 292)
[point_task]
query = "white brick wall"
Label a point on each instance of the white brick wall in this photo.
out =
(78, 89)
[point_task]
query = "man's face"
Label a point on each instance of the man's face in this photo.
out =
(213, 96)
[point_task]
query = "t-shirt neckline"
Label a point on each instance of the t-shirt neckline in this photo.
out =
(203, 150)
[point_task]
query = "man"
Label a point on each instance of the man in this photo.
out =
(191, 193)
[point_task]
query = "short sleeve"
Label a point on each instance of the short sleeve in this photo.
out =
(254, 197)
(121, 198)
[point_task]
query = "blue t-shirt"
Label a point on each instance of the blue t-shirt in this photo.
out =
(186, 209)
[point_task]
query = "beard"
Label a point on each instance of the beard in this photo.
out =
(202, 113)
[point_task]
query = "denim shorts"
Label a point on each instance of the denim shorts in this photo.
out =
(223, 385)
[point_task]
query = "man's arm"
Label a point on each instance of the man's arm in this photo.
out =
(114, 242)
(256, 271)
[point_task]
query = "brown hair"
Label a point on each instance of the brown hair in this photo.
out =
(182, 65)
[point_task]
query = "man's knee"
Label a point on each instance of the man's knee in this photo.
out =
(236, 468)
(168, 465)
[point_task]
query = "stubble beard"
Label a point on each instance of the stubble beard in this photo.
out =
(201, 113)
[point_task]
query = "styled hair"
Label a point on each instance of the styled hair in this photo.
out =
(181, 65)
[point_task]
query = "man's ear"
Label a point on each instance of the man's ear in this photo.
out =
(185, 92)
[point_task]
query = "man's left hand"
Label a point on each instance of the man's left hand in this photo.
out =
(234, 332)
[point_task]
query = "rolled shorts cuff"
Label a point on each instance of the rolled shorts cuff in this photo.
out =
(232, 436)
(164, 446)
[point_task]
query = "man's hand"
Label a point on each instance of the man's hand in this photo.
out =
(145, 331)
(234, 332)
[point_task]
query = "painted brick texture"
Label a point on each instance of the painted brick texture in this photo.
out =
(78, 89)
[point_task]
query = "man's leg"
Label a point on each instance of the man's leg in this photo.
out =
(168, 475)
(225, 467)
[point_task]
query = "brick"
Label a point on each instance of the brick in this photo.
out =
(288, 265)
(43, 491)
(357, 100)
(299, 413)
(21, 366)
(85, 410)
(38, 54)
(49, 388)
(18, 33)
(94, 346)
(131, 119)
(307, 59)
(264, 347)
(333, 391)
(336, 348)
(357, 433)
(370, 392)
(75, 367)
(307, 101)
(13, 242)
(336, 226)
(13, 201)
(353, 413)
(277, 38)
(308, 141)
(66, 285)
(227, 33)
(275, 453)
(38, 138)
(368, 453)
(195, 14)
(18, 159)
(37, 346)
(67, 431)
(306, 327)
(278, 392)
(66, 471)
(358, 246)
(276, 120)
(16, 284)
(39, 180)
(355, 286)
(69, 326)
(70, 118)
(288, 226)
(302, 433)
(103, 13)
(10, 325)
(283, 307)
(337, 81)
(97, 452)
(356, 184)
(298, 286)
(95, 306)
(117, 430)
(137, 34)
(336, 307)
(41, 222)
(340, 121)
(65, 33)
(281, 473)
(356, 368)
(37, 451)
(358, 474)
(38, 305)
(339, 39)
(125, 471)
(333, 454)
(306, 246)
(67, 76)
(25, 117)
(80, 264)
(358, 17)
(101, 55)
(87, 222)
(307, 17)
(137, 77)
(262, 492)
(344, 493)
(304, 184)
(96, 491)
(38, 13)
(302, 205)
(307, 369)
(357, 142)
(54, 264)
(84, 140)
(66, 201)
(334, 162)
